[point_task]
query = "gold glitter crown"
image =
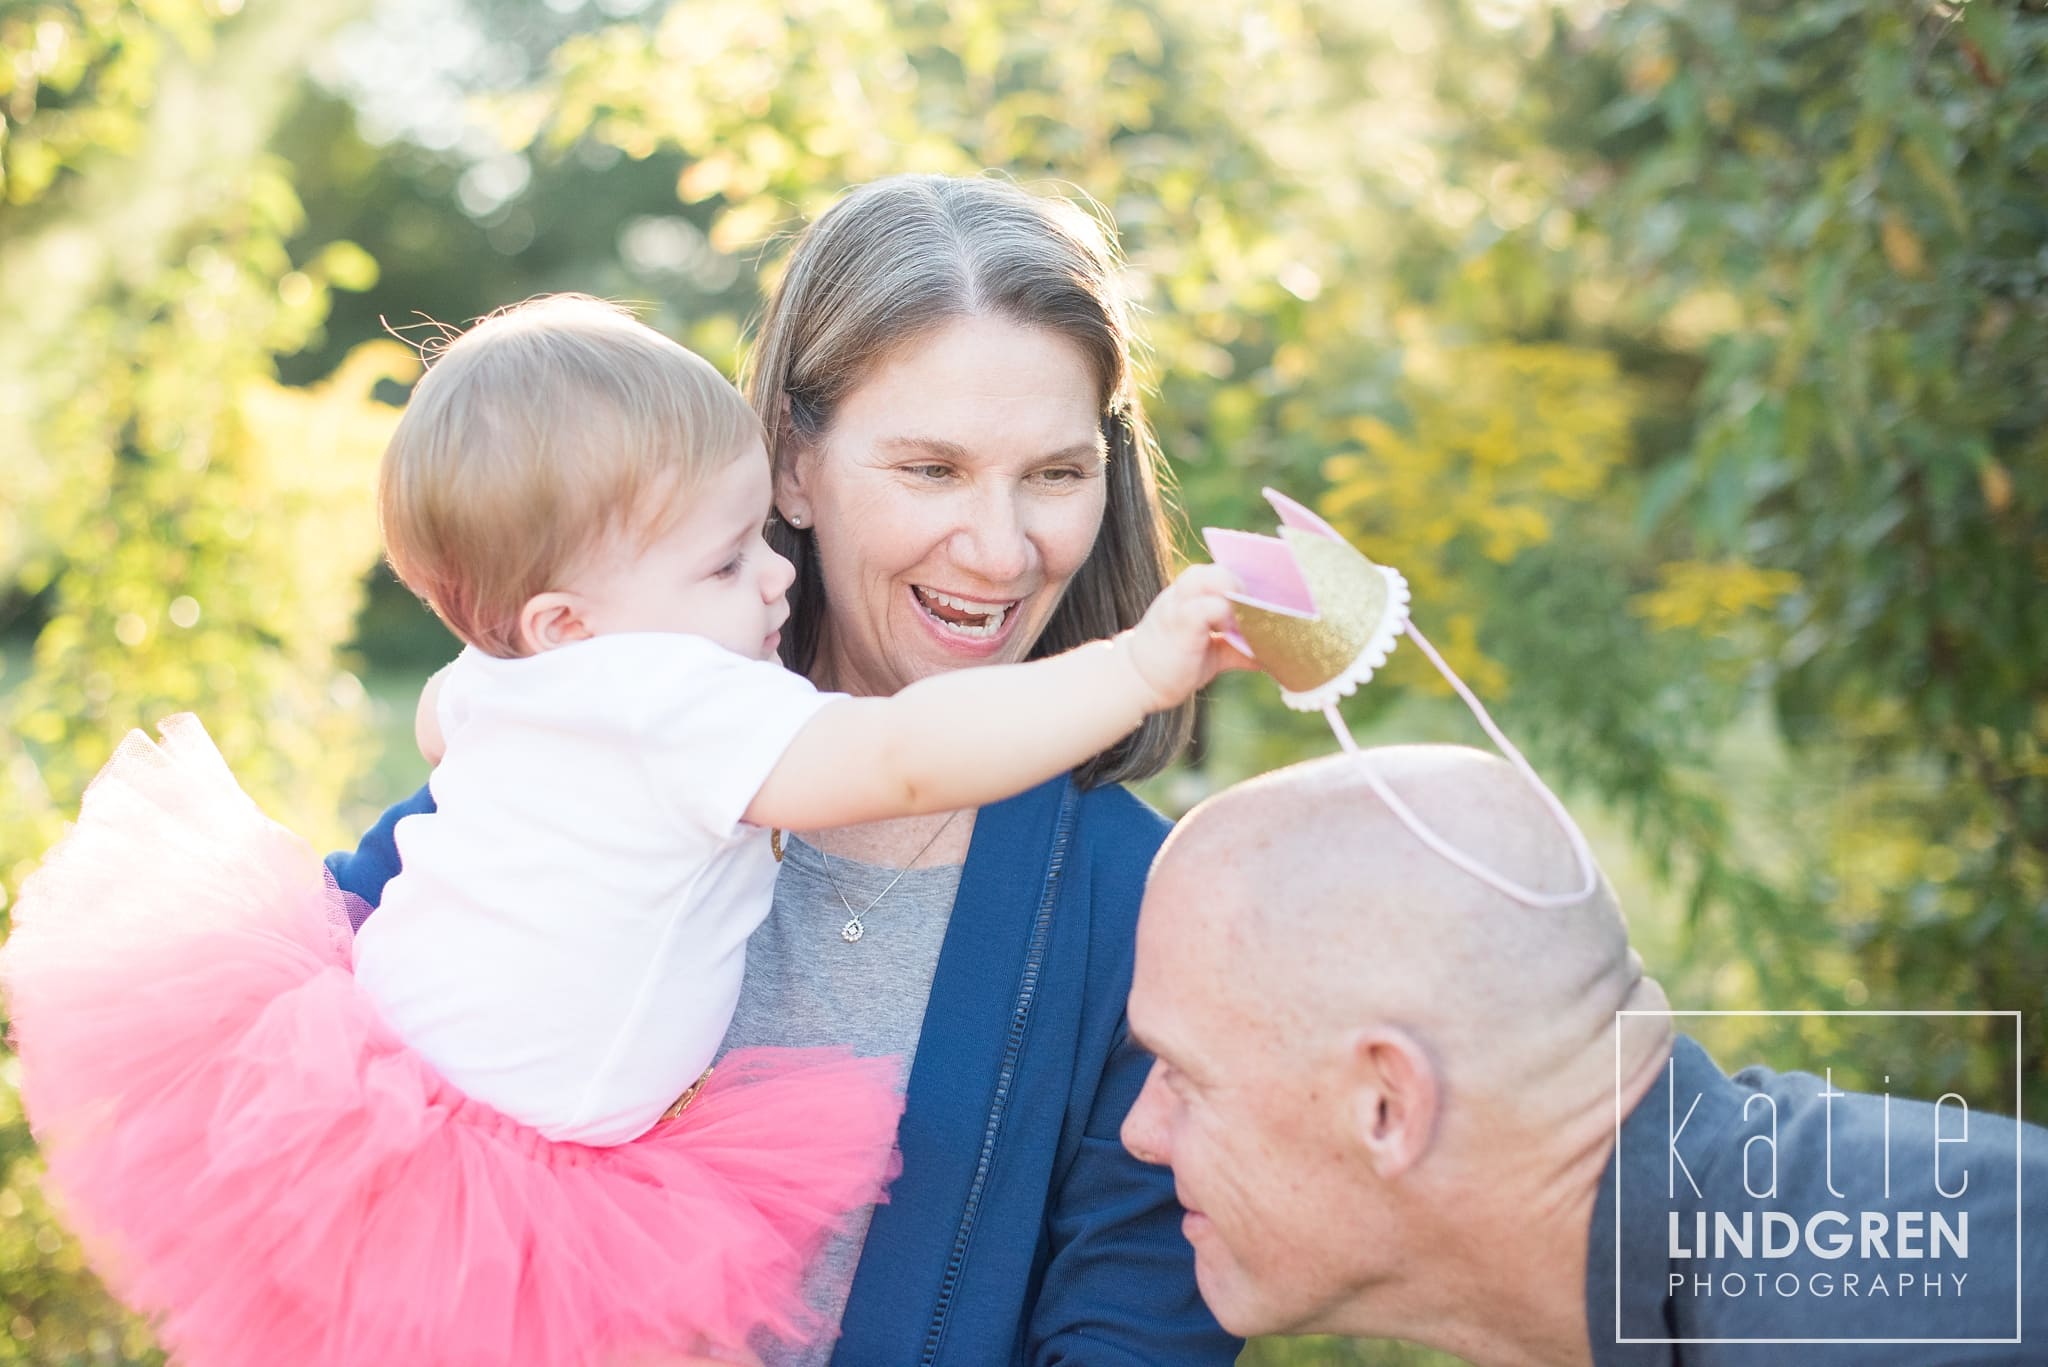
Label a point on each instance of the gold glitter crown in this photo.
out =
(1315, 613)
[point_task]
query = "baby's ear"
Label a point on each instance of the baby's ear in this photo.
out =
(551, 619)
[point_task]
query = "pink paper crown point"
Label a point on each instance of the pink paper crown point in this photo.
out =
(1315, 613)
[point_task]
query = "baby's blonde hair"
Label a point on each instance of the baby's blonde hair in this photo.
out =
(536, 434)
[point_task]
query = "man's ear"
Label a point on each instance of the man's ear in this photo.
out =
(551, 619)
(1396, 1098)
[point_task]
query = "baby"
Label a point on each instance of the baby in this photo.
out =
(485, 1132)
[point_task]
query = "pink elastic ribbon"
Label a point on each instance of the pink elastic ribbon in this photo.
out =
(1499, 882)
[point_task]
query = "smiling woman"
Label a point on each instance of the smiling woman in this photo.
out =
(965, 477)
(962, 460)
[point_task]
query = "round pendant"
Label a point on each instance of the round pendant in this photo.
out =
(851, 931)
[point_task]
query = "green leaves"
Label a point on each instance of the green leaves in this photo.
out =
(1877, 208)
(345, 266)
(194, 535)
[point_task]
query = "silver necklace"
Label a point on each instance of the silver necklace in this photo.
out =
(853, 929)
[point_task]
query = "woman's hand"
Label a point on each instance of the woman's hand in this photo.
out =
(1176, 648)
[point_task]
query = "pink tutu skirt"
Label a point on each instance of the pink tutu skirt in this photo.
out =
(258, 1163)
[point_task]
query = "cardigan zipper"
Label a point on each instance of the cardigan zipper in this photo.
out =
(1013, 1047)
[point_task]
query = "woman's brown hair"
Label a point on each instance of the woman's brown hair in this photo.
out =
(897, 259)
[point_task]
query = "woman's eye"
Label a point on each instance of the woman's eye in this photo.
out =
(931, 471)
(1059, 474)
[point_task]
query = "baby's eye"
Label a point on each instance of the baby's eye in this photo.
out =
(730, 567)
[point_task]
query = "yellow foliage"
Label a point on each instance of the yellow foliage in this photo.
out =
(1701, 315)
(197, 534)
(1903, 250)
(215, 569)
(1497, 437)
(1651, 72)
(1996, 483)
(1712, 597)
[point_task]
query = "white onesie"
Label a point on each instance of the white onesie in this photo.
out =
(567, 934)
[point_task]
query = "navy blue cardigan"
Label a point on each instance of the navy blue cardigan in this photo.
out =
(1020, 1230)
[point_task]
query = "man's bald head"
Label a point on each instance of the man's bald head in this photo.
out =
(1329, 908)
(1373, 1068)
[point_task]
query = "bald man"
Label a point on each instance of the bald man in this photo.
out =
(1389, 1097)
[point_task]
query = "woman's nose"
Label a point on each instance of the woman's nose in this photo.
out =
(993, 542)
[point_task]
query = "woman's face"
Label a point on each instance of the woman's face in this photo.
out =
(959, 488)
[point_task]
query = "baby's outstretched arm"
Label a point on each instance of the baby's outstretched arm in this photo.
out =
(978, 735)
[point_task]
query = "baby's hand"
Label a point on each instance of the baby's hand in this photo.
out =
(1175, 649)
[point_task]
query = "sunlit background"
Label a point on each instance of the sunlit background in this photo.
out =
(1690, 358)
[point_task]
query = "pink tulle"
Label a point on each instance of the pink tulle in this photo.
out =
(256, 1161)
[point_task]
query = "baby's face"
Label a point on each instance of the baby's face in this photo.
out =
(711, 574)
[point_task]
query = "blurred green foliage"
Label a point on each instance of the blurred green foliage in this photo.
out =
(182, 531)
(1691, 360)
(1836, 216)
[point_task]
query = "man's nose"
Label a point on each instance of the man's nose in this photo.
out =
(993, 543)
(1144, 1128)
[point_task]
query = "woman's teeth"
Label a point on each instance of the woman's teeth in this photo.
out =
(979, 620)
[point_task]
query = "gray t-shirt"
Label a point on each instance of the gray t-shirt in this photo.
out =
(806, 986)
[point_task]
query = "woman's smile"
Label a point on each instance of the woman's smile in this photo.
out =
(972, 622)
